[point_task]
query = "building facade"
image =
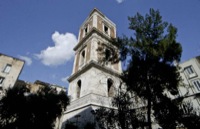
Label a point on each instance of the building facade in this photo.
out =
(10, 70)
(95, 78)
(190, 73)
(37, 85)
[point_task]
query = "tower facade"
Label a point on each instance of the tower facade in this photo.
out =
(95, 78)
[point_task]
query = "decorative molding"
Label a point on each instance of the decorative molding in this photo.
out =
(90, 100)
(89, 35)
(95, 65)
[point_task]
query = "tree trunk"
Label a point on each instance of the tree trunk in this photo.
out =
(149, 106)
(149, 112)
(122, 119)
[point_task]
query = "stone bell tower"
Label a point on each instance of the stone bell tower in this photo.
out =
(95, 79)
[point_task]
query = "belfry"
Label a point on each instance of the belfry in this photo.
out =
(95, 78)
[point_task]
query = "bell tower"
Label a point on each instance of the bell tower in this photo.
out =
(95, 77)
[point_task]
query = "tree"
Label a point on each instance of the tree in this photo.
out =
(21, 109)
(122, 115)
(105, 118)
(152, 75)
(151, 72)
(190, 116)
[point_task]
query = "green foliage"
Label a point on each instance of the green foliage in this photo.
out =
(22, 109)
(154, 38)
(151, 75)
(150, 72)
(190, 116)
(167, 113)
(123, 116)
(151, 53)
(105, 118)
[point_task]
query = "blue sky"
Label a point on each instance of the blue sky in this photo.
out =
(43, 32)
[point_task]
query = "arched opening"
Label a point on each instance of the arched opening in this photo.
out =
(107, 54)
(78, 88)
(82, 57)
(106, 29)
(110, 87)
(86, 30)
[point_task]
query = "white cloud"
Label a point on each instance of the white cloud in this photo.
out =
(64, 79)
(61, 52)
(120, 1)
(27, 60)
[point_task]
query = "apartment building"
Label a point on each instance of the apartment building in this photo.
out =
(10, 69)
(190, 73)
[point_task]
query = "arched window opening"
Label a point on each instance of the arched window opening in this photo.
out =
(106, 29)
(78, 88)
(110, 87)
(82, 58)
(86, 30)
(107, 54)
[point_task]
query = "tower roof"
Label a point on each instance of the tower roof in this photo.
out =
(96, 10)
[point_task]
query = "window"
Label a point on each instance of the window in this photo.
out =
(190, 72)
(82, 60)
(1, 80)
(7, 68)
(196, 83)
(107, 55)
(78, 88)
(186, 107)
(85, 30)
(110, 87)
(106, 29)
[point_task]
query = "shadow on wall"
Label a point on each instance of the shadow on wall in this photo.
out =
(80, 119)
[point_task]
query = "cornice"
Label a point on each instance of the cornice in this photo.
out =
(1, 54)
(93, 64)
(92, 31)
